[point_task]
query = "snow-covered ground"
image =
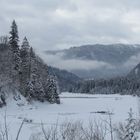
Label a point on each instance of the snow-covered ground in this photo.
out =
(73, 107)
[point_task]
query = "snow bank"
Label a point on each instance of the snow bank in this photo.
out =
(73, 107)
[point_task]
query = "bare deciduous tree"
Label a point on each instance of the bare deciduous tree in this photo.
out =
(4, 40)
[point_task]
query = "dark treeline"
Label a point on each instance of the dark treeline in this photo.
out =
(121, 85)
(23, 70)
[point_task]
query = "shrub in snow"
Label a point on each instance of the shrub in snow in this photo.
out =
(128, 130)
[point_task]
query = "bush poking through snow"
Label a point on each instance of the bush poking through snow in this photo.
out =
(128, 130)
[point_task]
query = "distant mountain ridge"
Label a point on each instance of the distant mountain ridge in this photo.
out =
(100, 52)
(115, 55)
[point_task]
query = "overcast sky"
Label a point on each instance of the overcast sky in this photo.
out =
(58, 24)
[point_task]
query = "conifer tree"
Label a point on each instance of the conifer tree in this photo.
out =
(13, 42)
(35, 84)
(14, 38)
(52, 90)
(25, 65)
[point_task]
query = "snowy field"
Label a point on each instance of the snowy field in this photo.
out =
(73, 107)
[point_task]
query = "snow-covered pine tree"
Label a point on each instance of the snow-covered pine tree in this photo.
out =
(35, 88)
(13, 42)
(52, 90)
(25, 65)
(14, 38)
(128, 130)
(39, 90)
(29, 90)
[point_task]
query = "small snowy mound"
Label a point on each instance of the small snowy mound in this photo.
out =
(11, 97)
(16, 99)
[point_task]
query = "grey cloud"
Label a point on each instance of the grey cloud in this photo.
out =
(57, 24)
(87, 65)
(74, 64)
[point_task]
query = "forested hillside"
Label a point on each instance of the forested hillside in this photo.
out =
(98, 60)
(129, 84)
(66, 80)
(21, 69)
(135, 73)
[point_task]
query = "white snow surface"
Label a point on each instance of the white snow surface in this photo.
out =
(73, 107)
